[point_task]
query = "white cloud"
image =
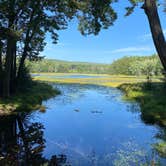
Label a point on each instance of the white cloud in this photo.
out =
(134, 49)
(63, 44)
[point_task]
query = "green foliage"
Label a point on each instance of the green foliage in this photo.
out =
(135, 65)
(66, 67)
(161, 148)
(24, 81)
(24, 25)
(29, 100)
(95, 15)
(153, 108)
(152, 101)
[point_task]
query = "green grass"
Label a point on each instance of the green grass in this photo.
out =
(104, 79)
(152, 100)
(29, 100)
(161, 148)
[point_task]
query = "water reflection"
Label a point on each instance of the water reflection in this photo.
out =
(22, 143)
(86, 125)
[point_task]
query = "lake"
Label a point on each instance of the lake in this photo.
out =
(86, 125)
(75, 76)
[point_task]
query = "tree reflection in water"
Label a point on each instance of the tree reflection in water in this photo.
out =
(160, 146)
(22, 143)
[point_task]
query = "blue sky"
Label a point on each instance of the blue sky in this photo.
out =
(129, 36)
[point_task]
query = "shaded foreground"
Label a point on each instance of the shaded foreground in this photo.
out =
(29, 99)
(22, 143)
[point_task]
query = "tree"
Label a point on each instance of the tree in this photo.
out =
(151, 10)
(94, 19)
(147, 67)
(23, 26)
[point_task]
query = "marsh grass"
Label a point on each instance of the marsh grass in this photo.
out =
(103, 79)
(152, 100)
(28, 100)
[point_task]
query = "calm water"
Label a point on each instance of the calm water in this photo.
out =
(86, 125)
(66, 76)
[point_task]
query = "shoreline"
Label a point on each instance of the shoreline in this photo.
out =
(28, 101)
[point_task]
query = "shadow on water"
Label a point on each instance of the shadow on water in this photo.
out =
(22, 143)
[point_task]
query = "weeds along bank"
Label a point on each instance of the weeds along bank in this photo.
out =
(29, 99)
(151, 98)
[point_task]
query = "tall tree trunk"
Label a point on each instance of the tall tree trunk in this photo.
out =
(8, 67)
(28, 39)
(13, 70)
(21, 64)
(11, 40)
(151, 11)
(1, 69)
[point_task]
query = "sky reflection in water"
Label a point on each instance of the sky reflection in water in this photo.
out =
(91, 123)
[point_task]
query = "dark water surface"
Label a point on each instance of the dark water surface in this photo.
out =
(86, 125)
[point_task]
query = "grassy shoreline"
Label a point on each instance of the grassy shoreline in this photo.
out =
(103, 79)
(31, 99)
(151, 99)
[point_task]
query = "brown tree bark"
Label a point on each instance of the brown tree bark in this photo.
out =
(1, 72)
(13, 70)
(150, 8)
(8, 67)
(28, 39)
(10, 51)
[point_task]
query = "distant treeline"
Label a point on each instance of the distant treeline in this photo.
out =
(137, 65)
(133, 65)
(58, 66)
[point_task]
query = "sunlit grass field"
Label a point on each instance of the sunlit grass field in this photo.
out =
(101, 79)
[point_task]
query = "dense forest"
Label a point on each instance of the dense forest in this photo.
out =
(58, 66)
(133, 65)
(137, 65)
